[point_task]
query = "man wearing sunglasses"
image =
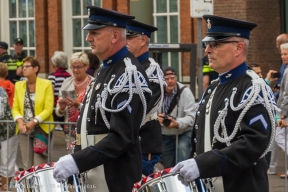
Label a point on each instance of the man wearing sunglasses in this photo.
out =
(235, 117)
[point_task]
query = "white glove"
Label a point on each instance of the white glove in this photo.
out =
(64, 168)
(188, 171)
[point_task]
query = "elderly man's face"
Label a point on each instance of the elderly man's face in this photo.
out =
(284, 56)
(221, 56)
(171, 81)
(100, 42)
(133, 43)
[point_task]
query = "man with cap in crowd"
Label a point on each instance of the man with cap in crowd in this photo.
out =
(113, 110)
(12, 66)
(4, 57)
(176, 117)
(19, 55)
(235, 116)
(138, 37)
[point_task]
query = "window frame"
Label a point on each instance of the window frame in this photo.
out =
(168, 14)
(5, 31)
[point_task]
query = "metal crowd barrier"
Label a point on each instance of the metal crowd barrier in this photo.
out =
(50, 140)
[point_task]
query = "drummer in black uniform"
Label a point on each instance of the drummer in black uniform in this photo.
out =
(138, 39)
(235, 119)
(114, 107)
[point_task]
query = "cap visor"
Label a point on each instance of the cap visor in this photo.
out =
(93, 27)
(217, 38)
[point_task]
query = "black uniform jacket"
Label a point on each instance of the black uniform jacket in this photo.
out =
(239, 164)
(119, 151)
(150, 133)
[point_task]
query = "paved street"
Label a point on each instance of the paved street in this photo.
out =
(276, 184)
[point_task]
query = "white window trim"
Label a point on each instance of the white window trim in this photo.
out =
(168, 14)
(4, 31)
(67, 32)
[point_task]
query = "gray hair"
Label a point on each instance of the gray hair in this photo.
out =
(284, 46)
(59, 59)
(245, 42)
(79, 57)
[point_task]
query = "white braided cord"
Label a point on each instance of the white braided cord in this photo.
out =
(130, 71)
(160, 80)
(258, 85)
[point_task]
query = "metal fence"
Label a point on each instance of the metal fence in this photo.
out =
(50, 139)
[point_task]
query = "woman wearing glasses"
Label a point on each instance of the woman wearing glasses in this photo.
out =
(72, 91)
(32, 104)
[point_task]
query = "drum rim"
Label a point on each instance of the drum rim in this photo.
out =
(33, 169)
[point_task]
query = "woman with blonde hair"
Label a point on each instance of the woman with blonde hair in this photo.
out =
(72, 92)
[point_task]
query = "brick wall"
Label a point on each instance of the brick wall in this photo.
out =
(266, 14)
(55, 41)
(41, 34)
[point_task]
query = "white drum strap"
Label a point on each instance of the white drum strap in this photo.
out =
(83, 132)
(217, 181)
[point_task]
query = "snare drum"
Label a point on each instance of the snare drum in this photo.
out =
(164, 181)
(40, 178)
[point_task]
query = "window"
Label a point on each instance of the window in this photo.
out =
(166, 18)
(79, 20)
(20, 24)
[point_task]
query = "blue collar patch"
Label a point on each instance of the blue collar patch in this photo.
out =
(115, 58)
(236, 72)
(143, 57)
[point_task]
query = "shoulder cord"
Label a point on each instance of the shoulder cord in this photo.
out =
(258, 86)
(159, 79)
(130, 73)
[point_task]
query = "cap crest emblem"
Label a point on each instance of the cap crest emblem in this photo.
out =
(208, 24)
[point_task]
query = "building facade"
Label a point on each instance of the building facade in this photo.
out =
(50, 25)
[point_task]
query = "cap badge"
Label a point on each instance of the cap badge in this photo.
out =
(208, 24)
(229, 75)
(19, 39)
(88, 12)
(110, 61)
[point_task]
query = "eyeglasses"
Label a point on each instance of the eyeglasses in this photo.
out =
(128, 38)
(77, 67)
(26, 66)
(214, 44)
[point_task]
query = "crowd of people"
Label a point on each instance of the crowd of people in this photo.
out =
(131, 114)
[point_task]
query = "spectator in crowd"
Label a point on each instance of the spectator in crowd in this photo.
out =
(59, 61)
(176, 118)
(19, 55)
(208, 73)
(72, 91)
(282, 38)
(94, 63)
(282, 103)
(12, 66)
(6, 84)
(269, 77)
(40, 93)
(8, 138)
(4, 57)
